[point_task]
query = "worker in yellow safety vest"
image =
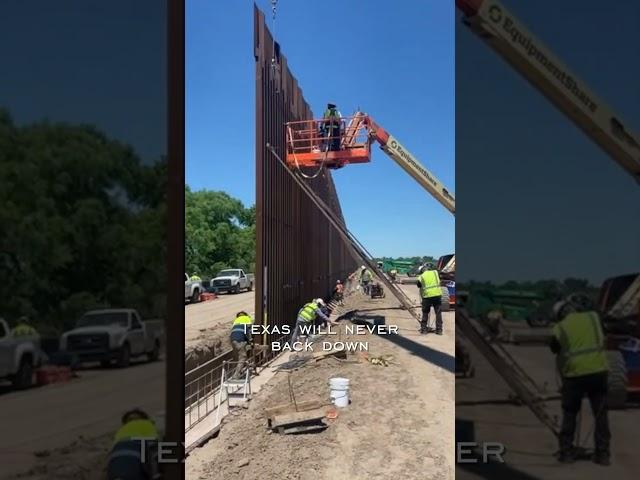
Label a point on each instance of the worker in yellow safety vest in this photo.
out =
(578, 341)
(431, 294)
(195, 278)
(24, 328)
(331, 127)
(365, 279)
(307, 316)
(241, 341)
(134, 452)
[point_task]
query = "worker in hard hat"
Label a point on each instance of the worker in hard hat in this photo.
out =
(431, 294)
(578, 341)
(307, 317)
(195, 278)
(24, 328)
(338, 292)
(134, 452)
(331, 121)
(365, 279)
(241, 340)
(393, 274)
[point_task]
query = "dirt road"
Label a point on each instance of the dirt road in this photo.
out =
(203, 318)
(73, 420)
(400, 422)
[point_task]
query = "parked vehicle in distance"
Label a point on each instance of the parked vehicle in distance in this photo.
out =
(19, 357)
(113, 335)
(233, 280)
(192, 289)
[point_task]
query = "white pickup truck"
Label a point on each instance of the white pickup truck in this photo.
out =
(113, 334)
(192, 289)
(233, 280)
(19, 356)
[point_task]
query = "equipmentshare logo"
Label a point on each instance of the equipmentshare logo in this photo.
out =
(520, 40)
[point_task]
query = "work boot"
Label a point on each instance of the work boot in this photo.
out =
(566, 456)
(438, 332)
(603, 459)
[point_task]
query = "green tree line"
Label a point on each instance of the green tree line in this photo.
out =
(82, 222)
(219, 233)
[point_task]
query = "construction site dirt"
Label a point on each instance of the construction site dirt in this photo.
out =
(207, 324)
(400, 420)
(486, 412)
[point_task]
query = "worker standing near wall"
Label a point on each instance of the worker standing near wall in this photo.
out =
(365, 279)
(578, 342)
(134, 452)
(431, 294)
(241, 341)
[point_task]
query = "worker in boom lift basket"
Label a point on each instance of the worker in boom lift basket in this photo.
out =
(578, 342)
(307, 316)
(241, 342)
(431, 294)
(134, 455)
(331, 127)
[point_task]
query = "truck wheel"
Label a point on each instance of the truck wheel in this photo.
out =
(155, 353)
(618, 381)
(236, 289)
(124, 356)
(444, 300)
(24, 376)
(250, 287)
(195, 297)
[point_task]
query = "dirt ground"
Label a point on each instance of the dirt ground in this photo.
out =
(483, 401)
(207, 325)
(400, 421)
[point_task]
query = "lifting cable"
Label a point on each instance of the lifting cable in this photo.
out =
(293, 151)
(274, 63)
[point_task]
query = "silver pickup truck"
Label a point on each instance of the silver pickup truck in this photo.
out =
(19, 356)
(233, 280)
(113, 335)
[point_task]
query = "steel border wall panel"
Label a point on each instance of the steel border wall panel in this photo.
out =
(299, 254)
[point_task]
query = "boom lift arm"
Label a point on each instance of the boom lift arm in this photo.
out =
(410, 164)
(505, 34)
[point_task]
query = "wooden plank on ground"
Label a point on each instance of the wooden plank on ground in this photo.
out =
(298, 417)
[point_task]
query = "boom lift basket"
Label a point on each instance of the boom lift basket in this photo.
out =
(309, 142)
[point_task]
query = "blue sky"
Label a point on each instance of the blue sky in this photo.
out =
(83, 72)
(395, 61)
(553, 203)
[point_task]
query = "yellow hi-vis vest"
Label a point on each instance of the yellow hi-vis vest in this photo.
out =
(308, 312)
(136, 429)
(24, 330)
(582, 344)
(430, 281)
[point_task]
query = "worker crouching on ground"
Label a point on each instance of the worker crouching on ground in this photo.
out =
(578, 342)
(134, 452)
(331, 127)
(308, 315)
(431, 294)
(241, 342)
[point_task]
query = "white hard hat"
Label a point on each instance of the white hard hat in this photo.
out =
(319, 301)
(363, 267)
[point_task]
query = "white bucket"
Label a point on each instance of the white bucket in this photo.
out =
(339, 391)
